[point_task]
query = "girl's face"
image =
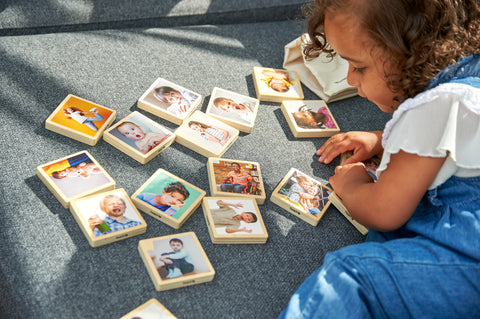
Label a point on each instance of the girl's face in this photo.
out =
(72, 171)
(196, 127)
(131, 131)
(173, 97)
(279, 85)
(366, 67)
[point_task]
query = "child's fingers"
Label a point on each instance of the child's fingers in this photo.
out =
(333, 147)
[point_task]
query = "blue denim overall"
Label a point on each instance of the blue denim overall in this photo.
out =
(429, 268)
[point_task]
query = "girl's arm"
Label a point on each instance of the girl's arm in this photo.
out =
(210, 137)
(213, 138)
(363, 145)
(236, 230)
(390, 202)
(225, 135)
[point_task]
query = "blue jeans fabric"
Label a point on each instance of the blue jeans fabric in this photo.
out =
(236, 188)
(89, 121)
(429, 268)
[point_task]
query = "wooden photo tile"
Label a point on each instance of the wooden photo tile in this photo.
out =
(309, 118)
(175, 261)
(168, 198)
(152, 309)
(233, 220)
(80, 119)
(169, 101)
(74, 176)
(234, 109)
(107, 217)
(206, 135)
(337, 202)
(302, 196)
(371, 164)
(234, 178)
(277, 85)
(139, 137)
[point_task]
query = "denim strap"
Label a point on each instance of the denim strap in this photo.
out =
(465, 71)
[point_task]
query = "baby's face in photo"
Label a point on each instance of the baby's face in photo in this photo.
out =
(304, 116)
(176, 246)
(173, 97)
(228, 105)
(196, 127)
(114, 206)
(279, 85)
(132, 131)
(173, 198)
(72, 172)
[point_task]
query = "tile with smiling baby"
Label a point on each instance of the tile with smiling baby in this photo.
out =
(168, 198)
(277, 85)
(107, 217)
(371, 166)
(235, 178)
(175, 261)
(152, 309)
(302, 196)
(169, 101)
(233, 220)
(309, 118)
(206, 135)
(139, 137)
(80, 120)
(74, 176)
(234, 109)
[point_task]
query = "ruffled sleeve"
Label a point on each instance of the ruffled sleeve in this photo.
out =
(444, 121)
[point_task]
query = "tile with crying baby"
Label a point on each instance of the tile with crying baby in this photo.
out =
(107, 217)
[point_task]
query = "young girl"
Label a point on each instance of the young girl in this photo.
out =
(421, 258)
(210, 133)
(81, 117)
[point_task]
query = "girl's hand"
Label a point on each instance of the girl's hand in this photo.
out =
(363, 145)
(347, 177)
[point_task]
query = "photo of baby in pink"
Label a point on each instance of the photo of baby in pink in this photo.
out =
(309, 119)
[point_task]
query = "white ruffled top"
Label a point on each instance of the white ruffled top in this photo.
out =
(443, 121)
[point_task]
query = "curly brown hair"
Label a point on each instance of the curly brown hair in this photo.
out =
(422, 36)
